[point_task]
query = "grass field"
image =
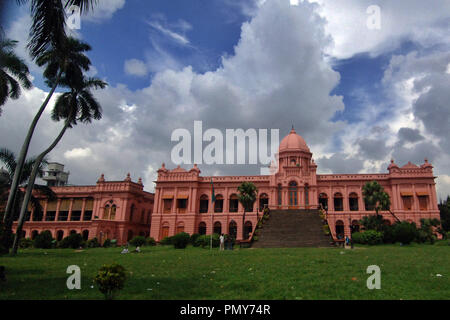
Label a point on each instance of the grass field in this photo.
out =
(407, 272)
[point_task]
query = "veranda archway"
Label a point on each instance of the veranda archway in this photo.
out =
(340, 231)
(232, 229)
(202, 228)
(323, 201)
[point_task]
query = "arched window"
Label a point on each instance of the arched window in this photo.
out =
(232, 229)
(234, 203)
(217, 228)
(202, 228)
(204, 201)
(353, 201)
(323, 200)
(59, 235)
(132, 210)
(165, 230)
(85, 235)
(338, 202)
(248, 228)
(106, 212)
(340, 229)
(263, 201)
(112, 216)
(280, 197)
(293, 197)
(218, 204)
(180, 227)
(72, 232)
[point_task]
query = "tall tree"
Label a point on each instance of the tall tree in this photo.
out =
(47, 34)
(13, 72)
(77, 105)
(9, 160)
(63, 66)
(247, 197)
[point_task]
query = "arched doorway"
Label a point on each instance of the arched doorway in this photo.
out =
(165, 230)
(293, 195)
(217, 227)
(59, 235)
(129, 236)
(180, 227)
(85, 235)
(232, 229)
(34, 234)
(323, 201)
(202, 228)
(280, 197)
(355, 226)
(248, 228)
(340, 229)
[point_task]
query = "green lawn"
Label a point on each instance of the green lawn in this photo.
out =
(407, 272)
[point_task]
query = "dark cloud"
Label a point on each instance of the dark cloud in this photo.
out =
(339, 163)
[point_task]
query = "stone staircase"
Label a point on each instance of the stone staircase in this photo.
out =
(292, 228)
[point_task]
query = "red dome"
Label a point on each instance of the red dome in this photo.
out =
(293, 142)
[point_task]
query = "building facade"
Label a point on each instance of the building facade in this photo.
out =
(108, 210)
(183, 198)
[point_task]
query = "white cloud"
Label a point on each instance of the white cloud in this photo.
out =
(171, 34)
(415, 20)
(103, 10)
(135, 67)
(77, 153)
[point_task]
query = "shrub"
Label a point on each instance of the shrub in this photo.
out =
(194, 237)
(25, 243)
(43, 240)
(326, 229)
(255, 238)
(357, 237)
(110, 279)
(150, 242)
(370, 237)
(166, 241)
(73, 241)
(405, 232)
(107, 243)
(92, 243)
(138, 241)
(114, 242)
(389, 234)
(205, 241)
(181, 240)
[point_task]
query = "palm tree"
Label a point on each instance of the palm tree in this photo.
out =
(8, 158)
(13, 71)
(48, 22)
(247, 197)
(47, 34)
(376, 197)
(77, 105)
(64, 66)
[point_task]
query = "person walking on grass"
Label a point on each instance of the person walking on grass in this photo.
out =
(222, 242)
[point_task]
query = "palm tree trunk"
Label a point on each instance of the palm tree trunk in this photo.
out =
(243, 225)
(30, 187)
(24, 151)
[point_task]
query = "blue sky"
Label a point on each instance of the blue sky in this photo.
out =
(347, 89)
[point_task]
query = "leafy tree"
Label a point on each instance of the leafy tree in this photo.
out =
(43, 240)
(444, 209)
(405, 232)
(13, 72)
(375, 196)
(372, 222)
(138, 241)
(247, 193)
(110, 279)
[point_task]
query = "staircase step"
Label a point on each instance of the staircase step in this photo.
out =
(292, 228)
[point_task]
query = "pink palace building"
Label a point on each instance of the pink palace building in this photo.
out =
(183, 197)
(108, 210)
